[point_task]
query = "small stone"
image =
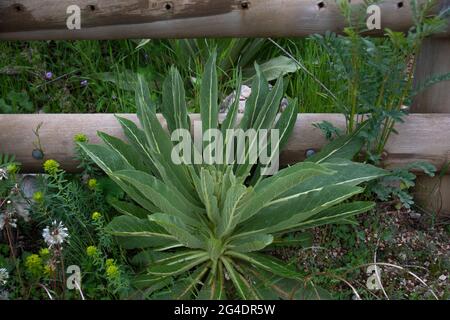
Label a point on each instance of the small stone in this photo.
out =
(37, 154)
(310, 153)
(29, 186)
(442, 277)
(284, 104)
(415, 215)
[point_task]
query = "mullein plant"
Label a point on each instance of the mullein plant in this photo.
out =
(203, 230)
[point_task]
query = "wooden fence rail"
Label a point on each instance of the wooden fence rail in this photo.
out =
(120, 19)
(424, 137)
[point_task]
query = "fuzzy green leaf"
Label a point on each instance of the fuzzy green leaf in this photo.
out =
(185, 234)
(133, 233)
(250, 243)
(209, 107)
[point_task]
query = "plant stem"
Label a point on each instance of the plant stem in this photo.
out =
(13, 255)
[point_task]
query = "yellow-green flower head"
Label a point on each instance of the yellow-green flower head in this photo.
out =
(96, 216)
(44, 253)
(91, 251)
(12, 168)
(38, 196)
(51, 166)
(110, 262)
(112, 271)
(49, 270)
(34, 265)
(80, 137)
(92, 183)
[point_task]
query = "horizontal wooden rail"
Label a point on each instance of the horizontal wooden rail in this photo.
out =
(423, 137)
(120, 19)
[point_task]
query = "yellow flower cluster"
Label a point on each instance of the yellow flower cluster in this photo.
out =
(91, 251)
(44, 253)
(80, 138)
(38, 196)
(12, 168)
(112, 271)
(34, 265)
(96, 216)
(51, 166)
(49, 270)
(92, 184)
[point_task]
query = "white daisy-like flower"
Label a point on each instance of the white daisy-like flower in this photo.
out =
(7, 218)
(4, 276)
(3, 174)
(55, 235)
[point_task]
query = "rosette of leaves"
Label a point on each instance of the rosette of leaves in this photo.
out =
(203, 230)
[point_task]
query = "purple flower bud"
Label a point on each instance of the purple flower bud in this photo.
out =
(48, 75)
(84, 83)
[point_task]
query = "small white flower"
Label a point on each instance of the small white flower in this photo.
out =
(4, 276)
(55, 235)
(3, 174)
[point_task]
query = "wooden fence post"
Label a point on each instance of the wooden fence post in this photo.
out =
(433, 194)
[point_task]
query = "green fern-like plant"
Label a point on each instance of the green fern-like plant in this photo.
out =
(202, 230)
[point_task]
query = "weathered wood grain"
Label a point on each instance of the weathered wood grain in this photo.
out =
(421, 137)
(434, 59)
(433, 194)
(119, 19)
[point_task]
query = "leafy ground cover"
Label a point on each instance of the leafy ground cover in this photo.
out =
(97, 76)
(128, 234)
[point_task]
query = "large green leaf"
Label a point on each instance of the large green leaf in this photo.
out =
(148, 257)
(150, 283)
(267, 263)
(206, 188)
(185, 234)
(251, 243)
(260, 89)
(269, 110)
(214, 287)
(105, 158)
(282, 215)
(178, 263)
(337, 213)
(137, 139)
(265, 118)
(275, 68)
(271, 188)
(128, 208)
(109, 161)
(187, 287)
(164, 197)
(125, 151)
(345, 173)
(209, 108)
(285, 125)
(242, 286)
(174, 102)
(344, 147)
(133, 233)
(294, 239)
(160, 144)
(230, 119)
(230, 214)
